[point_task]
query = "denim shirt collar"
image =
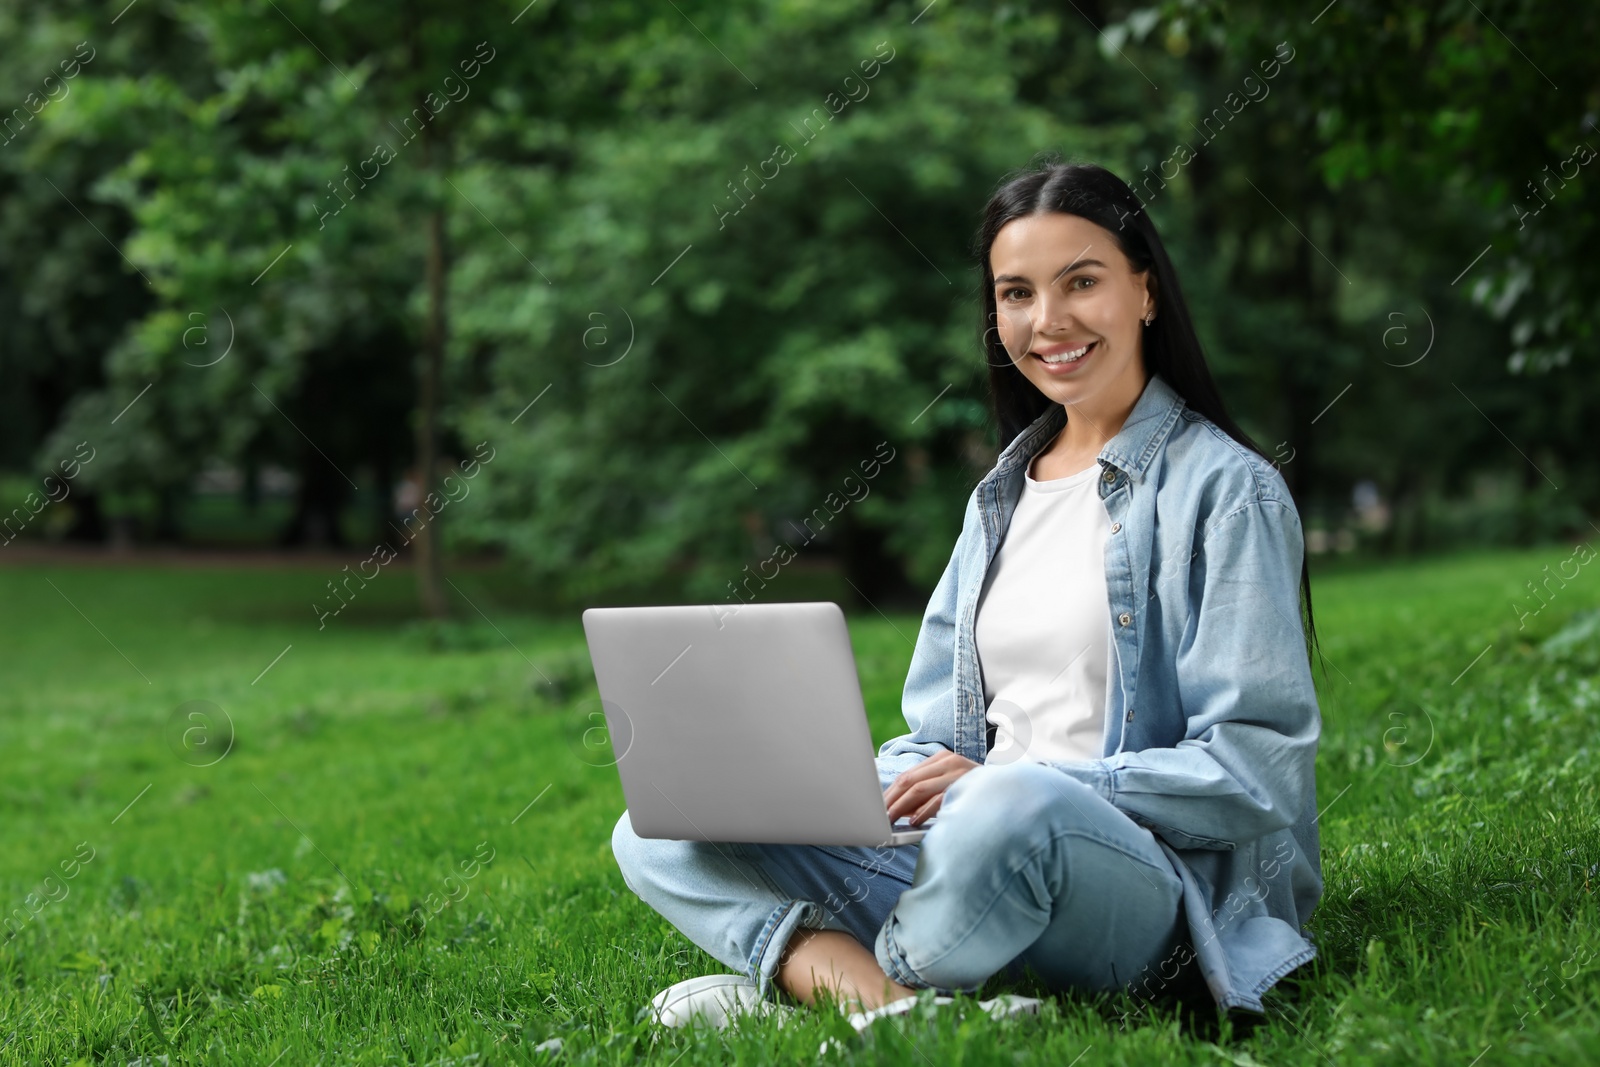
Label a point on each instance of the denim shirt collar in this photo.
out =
(1130, 450)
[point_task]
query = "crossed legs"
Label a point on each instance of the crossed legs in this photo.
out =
(1024, 866)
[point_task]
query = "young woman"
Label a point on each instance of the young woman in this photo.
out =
(1110, 702)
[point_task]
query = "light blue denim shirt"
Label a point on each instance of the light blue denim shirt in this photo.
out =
(1211, 721)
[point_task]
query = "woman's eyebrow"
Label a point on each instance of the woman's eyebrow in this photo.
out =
(1074, 265)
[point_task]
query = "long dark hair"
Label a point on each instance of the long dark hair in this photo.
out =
(1171, 347)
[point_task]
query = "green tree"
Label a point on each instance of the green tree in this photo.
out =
(758, 281)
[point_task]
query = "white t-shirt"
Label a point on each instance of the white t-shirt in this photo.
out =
(1044, 624)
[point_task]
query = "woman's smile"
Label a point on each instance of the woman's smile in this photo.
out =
(1065, 358)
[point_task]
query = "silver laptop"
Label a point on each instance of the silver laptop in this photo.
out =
(740, 722)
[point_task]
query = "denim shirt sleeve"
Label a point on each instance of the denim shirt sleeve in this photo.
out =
(1245, 766)
(929, 700)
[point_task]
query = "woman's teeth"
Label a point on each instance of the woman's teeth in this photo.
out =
(1069, 357)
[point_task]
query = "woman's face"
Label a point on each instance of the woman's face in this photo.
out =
(1061, 284)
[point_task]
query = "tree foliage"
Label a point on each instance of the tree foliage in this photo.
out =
(693, 270)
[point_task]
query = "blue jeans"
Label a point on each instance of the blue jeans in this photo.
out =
(1025, 866)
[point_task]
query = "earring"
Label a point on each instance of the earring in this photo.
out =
(1148, 319)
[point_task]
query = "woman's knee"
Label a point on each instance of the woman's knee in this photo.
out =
(1012, 798)
(653, 866)
(1000, 814)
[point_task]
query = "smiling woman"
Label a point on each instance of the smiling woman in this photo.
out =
(1110, 703)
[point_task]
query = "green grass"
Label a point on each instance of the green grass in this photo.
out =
(265, 908)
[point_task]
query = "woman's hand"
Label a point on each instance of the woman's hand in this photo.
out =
(919, 791)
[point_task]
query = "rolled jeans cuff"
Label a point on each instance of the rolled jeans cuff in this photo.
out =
(893, 960)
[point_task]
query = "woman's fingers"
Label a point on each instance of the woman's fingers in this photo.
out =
(908, 778)
(928, 810)
(913, 798)
(919, 791)
(919, 794)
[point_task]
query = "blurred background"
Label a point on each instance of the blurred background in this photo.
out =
(348, 350)
(274, 276)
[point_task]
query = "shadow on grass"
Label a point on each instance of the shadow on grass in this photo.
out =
(1185, 999)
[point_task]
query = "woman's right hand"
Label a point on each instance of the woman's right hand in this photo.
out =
(919, 791)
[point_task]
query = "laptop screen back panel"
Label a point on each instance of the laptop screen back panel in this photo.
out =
(738, 723)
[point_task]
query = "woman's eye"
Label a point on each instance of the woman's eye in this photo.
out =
(1009, 293)
(1075, 281)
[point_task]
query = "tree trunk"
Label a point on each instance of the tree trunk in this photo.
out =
(430, 569)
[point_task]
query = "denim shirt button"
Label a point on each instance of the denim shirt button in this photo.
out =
(1116, 526)
(1110, 475)
(1124, 618)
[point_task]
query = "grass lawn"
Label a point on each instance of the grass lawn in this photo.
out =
(404, 856)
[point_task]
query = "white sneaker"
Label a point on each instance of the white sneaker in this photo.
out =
(1007, 1004)
(713, 1000)
(863, 1019)
(1000, 1007)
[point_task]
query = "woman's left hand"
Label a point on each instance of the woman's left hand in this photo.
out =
(920, 790)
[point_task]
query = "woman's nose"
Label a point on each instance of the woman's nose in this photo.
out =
(1050, 315)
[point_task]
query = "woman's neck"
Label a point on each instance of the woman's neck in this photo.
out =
(1089, 426)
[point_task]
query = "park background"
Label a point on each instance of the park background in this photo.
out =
(627, 296)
